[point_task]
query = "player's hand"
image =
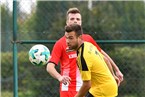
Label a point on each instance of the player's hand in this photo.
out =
(119, 75)
(117, 80)
(65, 80)
(77, 96)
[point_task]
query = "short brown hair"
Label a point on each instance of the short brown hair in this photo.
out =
(74, 27)
(72, 10)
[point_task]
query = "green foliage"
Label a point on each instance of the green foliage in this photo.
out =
(6, 27)
(106, 20)
(47, 22)
(33, 80)
(115, 20)
(6, 19)
(6, 94)
(130, 60)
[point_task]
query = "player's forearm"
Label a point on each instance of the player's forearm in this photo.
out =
(113, 64)
(84, 89)
(109, 66)
(52, 71)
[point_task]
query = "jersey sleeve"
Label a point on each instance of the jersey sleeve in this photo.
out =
(56, 53)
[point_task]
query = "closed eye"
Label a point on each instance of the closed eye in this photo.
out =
(78, 19)
(70, 37)
(72, 18)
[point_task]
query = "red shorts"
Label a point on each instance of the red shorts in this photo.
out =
(68, 93)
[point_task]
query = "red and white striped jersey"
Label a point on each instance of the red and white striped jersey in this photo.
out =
(67, 59)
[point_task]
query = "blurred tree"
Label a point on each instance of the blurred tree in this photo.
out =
(6, 28)
(130, 61)
(116, 20)
(107, 20)
(48, 23)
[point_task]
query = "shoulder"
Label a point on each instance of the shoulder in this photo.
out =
(60, 43)
(87, 43)
(86, 35)
(89, 47)
(61, 40)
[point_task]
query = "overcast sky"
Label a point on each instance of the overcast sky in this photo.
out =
(25, 4)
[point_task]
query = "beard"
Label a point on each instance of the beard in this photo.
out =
(73, 47)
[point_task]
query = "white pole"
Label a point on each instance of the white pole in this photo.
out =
(90, 4)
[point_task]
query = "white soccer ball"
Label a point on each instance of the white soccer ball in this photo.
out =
(39, 55)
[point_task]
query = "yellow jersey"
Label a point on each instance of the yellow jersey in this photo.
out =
(93, 67)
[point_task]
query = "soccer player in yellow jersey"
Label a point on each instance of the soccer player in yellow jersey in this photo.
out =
(97, 79)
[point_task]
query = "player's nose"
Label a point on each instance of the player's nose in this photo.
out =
(67, 41)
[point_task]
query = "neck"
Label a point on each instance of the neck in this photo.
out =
(80, 43)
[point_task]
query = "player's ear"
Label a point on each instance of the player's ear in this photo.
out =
(81, 37)
(67, 22)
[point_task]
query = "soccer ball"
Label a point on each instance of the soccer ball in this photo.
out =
(39, 55)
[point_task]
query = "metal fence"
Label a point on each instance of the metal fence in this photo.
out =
(117, 26)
